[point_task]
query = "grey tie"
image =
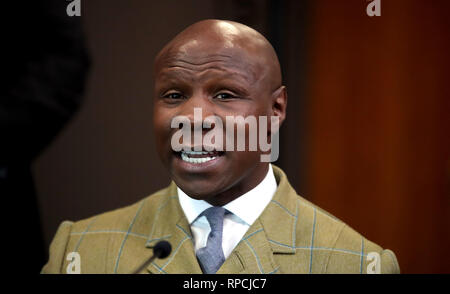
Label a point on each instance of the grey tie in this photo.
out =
(211, 256)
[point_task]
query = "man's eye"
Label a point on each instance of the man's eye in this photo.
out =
(224, 96)
(173, 96)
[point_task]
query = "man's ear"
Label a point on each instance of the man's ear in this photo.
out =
(279, 103)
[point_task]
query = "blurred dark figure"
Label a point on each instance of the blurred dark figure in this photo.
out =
(44, 71)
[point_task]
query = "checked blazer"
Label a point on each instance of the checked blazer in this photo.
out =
(292, 235)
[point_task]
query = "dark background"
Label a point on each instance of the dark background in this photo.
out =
(367, 129)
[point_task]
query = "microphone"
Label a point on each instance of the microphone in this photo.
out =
(161, 250)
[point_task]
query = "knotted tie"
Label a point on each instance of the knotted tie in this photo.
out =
(211, 256)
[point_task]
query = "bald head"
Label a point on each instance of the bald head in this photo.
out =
(224, 69)
(216, 39)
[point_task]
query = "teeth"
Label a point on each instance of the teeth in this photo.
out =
(186, 158)
(198, 152)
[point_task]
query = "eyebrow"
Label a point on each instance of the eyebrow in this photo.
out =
(172, 78)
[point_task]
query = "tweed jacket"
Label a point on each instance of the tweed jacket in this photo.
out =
(292, 235)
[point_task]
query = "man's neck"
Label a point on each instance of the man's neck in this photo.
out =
(252, 179)
(247, 206)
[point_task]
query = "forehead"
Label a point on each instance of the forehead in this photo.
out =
(199, 60)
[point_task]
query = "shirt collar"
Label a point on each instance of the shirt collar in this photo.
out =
(247, 207)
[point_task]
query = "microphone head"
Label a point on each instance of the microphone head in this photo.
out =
(162, 249)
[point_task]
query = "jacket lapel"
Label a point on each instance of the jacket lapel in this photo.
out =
(252, 255)
(171, 225)
(274, 232)
(280, 217)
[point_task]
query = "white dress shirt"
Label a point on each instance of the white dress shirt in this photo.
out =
(244, 211)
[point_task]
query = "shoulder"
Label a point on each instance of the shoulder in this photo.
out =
(94, 238)
(324, 243)
(335, 247)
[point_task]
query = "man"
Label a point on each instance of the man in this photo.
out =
(226, 211)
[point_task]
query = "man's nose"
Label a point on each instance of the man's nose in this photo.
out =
(196, 108)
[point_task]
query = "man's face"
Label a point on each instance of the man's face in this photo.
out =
(222, 81)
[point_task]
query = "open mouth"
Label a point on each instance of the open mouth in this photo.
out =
(199, 157)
